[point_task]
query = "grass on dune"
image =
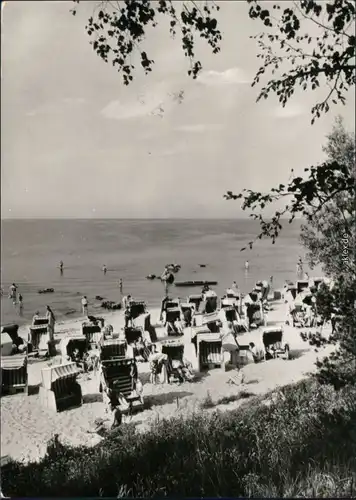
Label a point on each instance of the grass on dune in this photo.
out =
(301, 443)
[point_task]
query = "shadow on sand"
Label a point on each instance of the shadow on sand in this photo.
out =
(92, 398)
(34, 389)
(297, 353)
(163, 399)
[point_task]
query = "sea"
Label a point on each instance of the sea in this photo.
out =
(132, 249)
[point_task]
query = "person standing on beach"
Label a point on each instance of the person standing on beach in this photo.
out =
(20, 302)
(126, 301)
(104, 269)
(120, 285)
(61, 265)
(50, 315)
(12, 291)
(247, 265)
(128, 316)
(85, 305)
(300, 271)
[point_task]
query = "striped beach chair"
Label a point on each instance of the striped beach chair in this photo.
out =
(209, 350)
(118, 378)
(91, 331)
(112, 349)
(14, 375)
(196, 300)
(59, 389)
(41, 334)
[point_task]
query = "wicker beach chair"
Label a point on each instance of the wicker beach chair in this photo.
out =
(137, 308)
(301, 285)
(14, 376)
(172, 303)
(112, 349)
(175, 352)
(274, 344)
(91, 330)
(173, 315)
(118, 380)
(135, 336)
(209, 350)
(196, 300)
(59, 389)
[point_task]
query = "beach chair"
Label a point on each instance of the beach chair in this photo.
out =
(274, 344)
(41, 336)
(174, 350)
(137, 308)
(196, 300)
(112, 349)
(301, 285)
(231, 294)
(255, 314)
(211, 304)
(298, 315)
(211, 321)
(6, 344)
(172, 303)
(91, 330)
(185, 306)
(316, 282)
(59, 389)
(118, 378)
(41, 320)
(173, 315)
(135, 335)
(14, 376)
(209, 350)
(148, 327)
(226, 302)
(232, 315)
(70, 343)
(12, 331)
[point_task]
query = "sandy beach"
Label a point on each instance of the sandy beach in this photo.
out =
(27, 427)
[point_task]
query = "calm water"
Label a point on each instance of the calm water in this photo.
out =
(131, 249)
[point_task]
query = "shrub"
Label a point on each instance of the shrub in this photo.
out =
(304, 439)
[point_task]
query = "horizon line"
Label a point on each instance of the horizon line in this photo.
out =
(136, 218)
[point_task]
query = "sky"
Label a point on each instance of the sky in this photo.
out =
(75, 142)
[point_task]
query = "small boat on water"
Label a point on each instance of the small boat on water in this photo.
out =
(195, 283)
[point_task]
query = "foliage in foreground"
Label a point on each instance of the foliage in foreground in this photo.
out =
(290, 50)
(301, 444)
